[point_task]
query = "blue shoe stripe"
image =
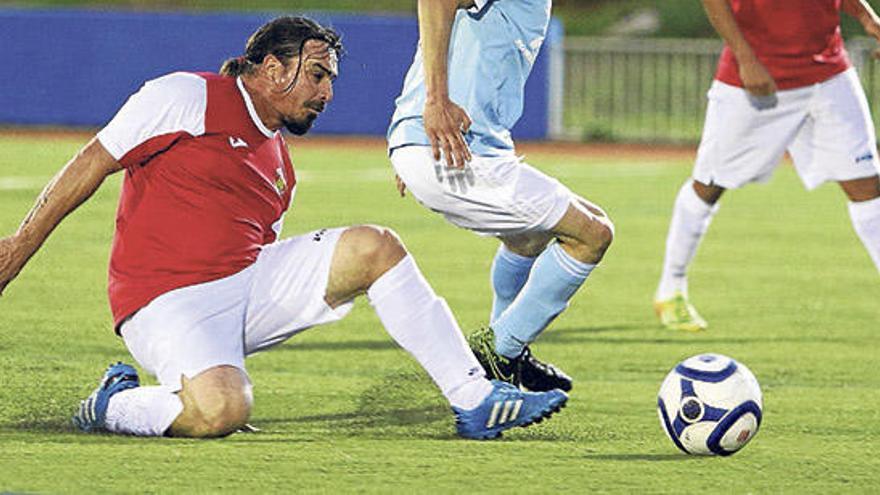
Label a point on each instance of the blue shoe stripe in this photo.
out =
(93, 410)
(507, 407)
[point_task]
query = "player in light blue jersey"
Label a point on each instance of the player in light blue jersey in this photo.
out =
(450, 144)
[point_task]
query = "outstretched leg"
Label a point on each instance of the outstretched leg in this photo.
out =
(372, 260)
(692, 213)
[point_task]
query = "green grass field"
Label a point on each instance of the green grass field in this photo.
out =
(782, 279)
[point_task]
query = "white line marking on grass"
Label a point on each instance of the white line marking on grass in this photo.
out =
(23, 183)
(386, 174)
(357, 175)
(558, 171)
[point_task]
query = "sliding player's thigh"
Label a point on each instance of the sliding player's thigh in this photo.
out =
(191, 329)
(289, 289)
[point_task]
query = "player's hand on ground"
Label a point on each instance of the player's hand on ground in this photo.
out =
(756, 79)
(10, 263)
(401, 186)
(446, 123)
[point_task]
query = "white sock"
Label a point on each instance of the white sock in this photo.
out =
(691, 217)
(143, 411)
(423, 325)
(865, 216)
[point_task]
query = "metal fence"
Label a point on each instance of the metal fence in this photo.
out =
(652, 90)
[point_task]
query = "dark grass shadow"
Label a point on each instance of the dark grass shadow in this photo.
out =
(573, 334)
(641, 457)
(403, 404)
(348, 345)
(43, 426)
(653, 334)
(395, 417)
(596, 329)
(649, 333)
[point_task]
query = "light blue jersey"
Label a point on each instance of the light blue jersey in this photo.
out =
(492, 49)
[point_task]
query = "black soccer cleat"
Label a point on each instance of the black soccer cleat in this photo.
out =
(539, 376)
(497, 367)
(524, 371)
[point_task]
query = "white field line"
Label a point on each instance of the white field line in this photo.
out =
(386, 174)
(17, 183)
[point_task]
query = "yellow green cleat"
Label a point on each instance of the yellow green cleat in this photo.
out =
(676, 313)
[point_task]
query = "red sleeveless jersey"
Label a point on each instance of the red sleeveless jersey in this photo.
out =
(798, 41)
(206, 185)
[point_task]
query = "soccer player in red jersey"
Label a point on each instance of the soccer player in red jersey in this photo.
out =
(784, 83)
(198, 279)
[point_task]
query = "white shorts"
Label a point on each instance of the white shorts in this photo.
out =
(497, 196)
(826, 127)
(191, 329)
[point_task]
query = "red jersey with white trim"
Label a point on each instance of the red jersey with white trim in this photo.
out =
(798, 41)
(205, 187)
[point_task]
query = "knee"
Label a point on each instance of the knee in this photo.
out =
(595, 235)
(225, 415)
(596, 230)
(214, 407)
(602, 235)
(377, 249)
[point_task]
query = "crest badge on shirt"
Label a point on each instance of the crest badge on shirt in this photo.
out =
(280, 181)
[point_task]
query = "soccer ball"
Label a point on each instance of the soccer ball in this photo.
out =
(710, 405)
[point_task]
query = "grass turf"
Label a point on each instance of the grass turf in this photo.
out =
(782, 279)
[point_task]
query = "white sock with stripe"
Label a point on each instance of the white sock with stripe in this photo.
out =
(423, 325)
(691, 217)
(143, 411)
(865, 216)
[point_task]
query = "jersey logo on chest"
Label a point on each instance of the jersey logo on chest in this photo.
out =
(237, 142)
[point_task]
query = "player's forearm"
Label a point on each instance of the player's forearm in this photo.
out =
(75, 183)
(860, 10)
(721, 17)
(435, 28)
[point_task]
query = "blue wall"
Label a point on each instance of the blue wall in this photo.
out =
(72, 67)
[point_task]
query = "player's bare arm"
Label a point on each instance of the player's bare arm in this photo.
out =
(75, 183)
(755, 77)
(445, 122)
(862, 12)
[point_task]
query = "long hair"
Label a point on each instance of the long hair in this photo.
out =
(283, 37)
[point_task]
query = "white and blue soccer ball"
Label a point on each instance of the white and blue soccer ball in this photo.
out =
(710, 405)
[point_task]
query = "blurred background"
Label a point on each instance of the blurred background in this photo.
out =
(610, 70)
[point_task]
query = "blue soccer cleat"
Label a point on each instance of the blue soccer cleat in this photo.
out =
(93, 411)
(507, 407)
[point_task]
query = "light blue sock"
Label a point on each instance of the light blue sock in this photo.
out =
(553, 280)
(509, 273)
